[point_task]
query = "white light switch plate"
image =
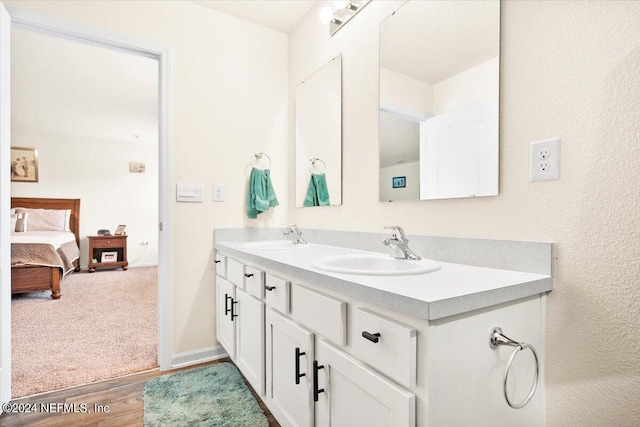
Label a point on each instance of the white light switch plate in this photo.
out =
(217, 192)
(545, 160)
(190, 192)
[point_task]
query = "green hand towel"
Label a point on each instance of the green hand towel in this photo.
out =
(261, 196)
(318, 193)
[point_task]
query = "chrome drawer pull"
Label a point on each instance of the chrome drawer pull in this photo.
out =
(371, 337)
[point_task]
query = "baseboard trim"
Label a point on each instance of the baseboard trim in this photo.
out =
(145, 264)
(194, 357)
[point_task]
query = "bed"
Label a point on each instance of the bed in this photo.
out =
(41, 259)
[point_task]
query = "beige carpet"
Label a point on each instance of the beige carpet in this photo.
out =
(105, 325)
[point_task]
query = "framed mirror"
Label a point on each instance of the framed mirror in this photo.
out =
(318, 142)
(439, 100)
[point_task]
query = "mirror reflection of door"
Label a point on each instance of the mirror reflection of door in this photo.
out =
(439, 68)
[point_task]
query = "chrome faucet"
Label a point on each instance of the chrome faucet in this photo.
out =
(292, 230)
(399, 244)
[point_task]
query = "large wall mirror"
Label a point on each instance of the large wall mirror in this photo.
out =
(319, 137)
(439, 109)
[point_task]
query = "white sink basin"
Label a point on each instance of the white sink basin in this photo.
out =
(273, 245)
(374, 265)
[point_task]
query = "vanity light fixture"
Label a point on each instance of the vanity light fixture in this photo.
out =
(344, 11)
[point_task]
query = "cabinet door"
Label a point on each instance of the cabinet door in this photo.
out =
(355, 395)
(250, 339)
(289, 357)
(225, 327)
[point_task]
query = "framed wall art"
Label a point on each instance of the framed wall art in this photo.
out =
(24, 164)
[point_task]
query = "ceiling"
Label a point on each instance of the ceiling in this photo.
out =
(280, 15)
(61, 87)
(433, 40)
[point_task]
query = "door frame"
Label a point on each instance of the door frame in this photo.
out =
(25, 19)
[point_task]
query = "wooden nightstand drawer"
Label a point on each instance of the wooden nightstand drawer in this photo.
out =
(112, 242)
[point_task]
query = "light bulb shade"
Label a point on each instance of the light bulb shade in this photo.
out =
(326, 15)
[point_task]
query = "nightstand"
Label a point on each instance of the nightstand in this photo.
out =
(99, 245)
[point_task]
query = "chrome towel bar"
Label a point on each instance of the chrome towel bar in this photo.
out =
(497, 338)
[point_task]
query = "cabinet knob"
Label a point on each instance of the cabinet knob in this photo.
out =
(371, 337)
(108, 241)
(248, 275)
(217, 261)
(269, 288)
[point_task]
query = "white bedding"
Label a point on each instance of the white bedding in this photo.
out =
(54, 238)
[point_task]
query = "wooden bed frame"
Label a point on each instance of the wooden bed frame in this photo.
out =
(31, 278)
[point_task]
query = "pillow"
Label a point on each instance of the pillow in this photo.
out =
(19, 222)
(47, 219)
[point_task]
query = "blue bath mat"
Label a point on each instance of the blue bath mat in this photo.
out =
(213, 395)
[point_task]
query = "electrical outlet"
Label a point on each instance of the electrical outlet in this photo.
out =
(544, 153)
(545, 160)
(543, 166)
(217, 192)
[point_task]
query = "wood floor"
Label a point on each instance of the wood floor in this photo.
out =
(122, 396)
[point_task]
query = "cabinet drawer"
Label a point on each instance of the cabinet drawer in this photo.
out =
(277, 293)
(235, 272)
(221, 265)
(395, 352)
(116, 242)
(254, 281)
(324, 314)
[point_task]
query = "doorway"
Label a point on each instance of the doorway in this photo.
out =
(25, 20)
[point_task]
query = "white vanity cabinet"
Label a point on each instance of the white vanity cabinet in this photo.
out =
(330, 359)
(225, 324)
(250, 339)
(351, 394)
(240, 322)
(290, 355)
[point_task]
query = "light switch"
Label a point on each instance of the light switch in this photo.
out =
(190, 192)
(217, 192)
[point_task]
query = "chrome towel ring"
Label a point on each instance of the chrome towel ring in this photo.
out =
(312, 163)
(497, 338)
(259, 155)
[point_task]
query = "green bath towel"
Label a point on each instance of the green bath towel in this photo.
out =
(318, 193)
(261, 195)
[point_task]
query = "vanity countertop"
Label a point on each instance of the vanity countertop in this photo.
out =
(454, 289)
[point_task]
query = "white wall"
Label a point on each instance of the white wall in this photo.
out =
(410, 192)
(475, 84)
(97, 173)
(403, 94)
(79, 106)
(568, 69)
(229, 100)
